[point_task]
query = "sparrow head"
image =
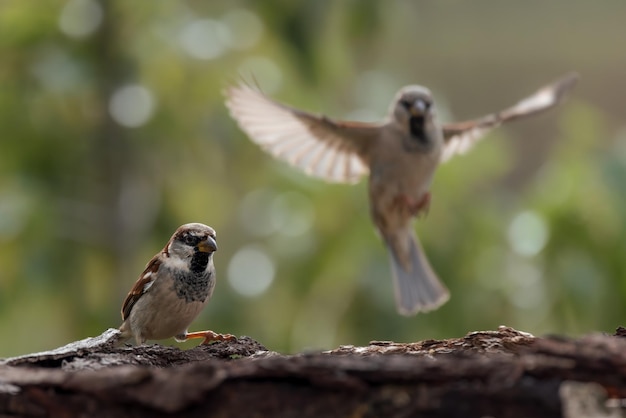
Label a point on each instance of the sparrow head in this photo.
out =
(414, 111)
(191, 239)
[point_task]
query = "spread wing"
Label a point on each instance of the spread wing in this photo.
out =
(332, 150)
(141, 286)
(461, 136)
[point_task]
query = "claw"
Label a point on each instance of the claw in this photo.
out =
(209, 336)
(423, 206)
(404, 202)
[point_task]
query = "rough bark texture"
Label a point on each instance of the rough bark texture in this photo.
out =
(503, 373)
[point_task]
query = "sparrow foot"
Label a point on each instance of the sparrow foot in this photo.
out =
(210, 336)
(415, 208)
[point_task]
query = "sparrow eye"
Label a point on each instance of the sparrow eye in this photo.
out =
(406, 104)
(191, 240)
(421, 104)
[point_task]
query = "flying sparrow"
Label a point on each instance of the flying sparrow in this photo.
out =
(400, 154)
(176, 284)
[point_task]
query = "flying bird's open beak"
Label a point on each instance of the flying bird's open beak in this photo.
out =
(208, 245)
(419, 108)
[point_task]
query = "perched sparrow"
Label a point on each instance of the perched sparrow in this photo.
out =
(173, 289)
(400, 154)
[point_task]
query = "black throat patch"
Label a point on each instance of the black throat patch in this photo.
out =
(199, 262)
(196, 285)
(416, 125)
(418, 139)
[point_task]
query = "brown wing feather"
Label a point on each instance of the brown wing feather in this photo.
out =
(336, 151)
(148, 275)
(461, 136)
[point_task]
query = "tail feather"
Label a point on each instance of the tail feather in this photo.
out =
(417, 287)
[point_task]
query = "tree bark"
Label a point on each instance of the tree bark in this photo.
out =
(503, 373)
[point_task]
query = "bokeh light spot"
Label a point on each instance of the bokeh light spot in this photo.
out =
(131, 106)
(254, 212)
(525, 287)
(292, 214)
(56, 70)
(251, 271)
(205, 39)
(528, 233)
(80, 18)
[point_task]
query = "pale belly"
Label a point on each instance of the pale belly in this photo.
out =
(397, 183)
(170, 318)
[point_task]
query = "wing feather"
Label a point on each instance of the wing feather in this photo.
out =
(141, 286)
(461, 136)
(332, 150)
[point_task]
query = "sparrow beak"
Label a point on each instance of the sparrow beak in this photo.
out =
(419, 108)
(208, 245)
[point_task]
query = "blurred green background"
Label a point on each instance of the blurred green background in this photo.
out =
(114, 133)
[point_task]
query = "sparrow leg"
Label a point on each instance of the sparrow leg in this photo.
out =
(209, 336)
(422, 206)
(404, 202)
